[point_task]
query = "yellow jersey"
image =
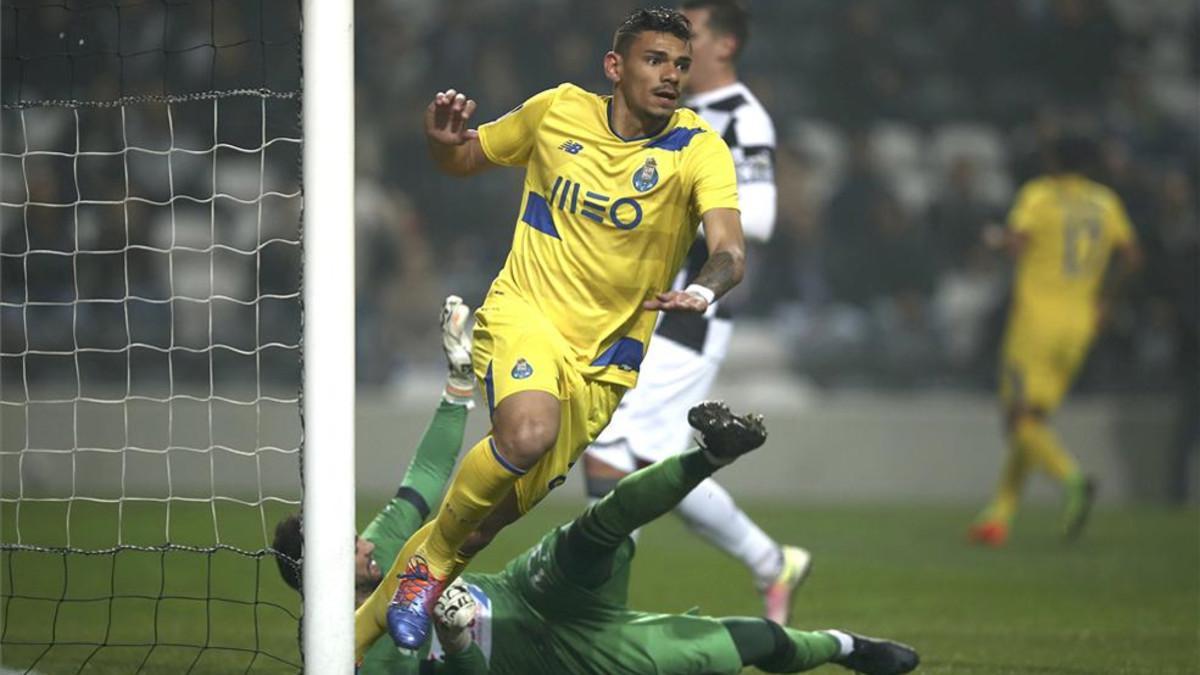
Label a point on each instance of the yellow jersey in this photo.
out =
(1072, 225)
(605, 222)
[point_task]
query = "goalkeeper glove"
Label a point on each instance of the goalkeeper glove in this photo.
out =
(453, 616)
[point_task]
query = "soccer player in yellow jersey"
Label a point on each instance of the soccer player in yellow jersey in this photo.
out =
(1062, 230)
(614, 187)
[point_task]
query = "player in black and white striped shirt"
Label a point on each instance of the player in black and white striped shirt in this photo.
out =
(686, 351)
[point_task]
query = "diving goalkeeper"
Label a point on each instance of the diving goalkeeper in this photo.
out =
(560, 608)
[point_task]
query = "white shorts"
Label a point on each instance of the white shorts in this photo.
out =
(651, 422)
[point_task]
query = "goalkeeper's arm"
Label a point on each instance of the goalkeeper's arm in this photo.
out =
(430, 469)
(425, 479)
(431, 466)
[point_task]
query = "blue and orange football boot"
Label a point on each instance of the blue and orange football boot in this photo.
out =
(411, 608)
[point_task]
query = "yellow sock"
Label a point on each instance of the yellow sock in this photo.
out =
(1040, 445)
(1016, 467)
(483, 480)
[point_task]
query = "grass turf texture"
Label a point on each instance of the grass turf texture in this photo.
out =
(1124, 599)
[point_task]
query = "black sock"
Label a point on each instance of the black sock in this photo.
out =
(761, 643)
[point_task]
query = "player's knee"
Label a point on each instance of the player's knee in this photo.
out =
(524, 441)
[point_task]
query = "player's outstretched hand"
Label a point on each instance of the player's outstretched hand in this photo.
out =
(446, 118)
(677, 301)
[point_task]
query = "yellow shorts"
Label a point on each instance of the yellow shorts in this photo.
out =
(516, 349)
(1041, 360)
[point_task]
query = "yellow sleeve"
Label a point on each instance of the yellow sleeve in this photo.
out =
(1119, 227)
(713, 178)
(1024, 214)
(508, 140)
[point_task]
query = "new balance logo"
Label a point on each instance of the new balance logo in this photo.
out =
(571, 147)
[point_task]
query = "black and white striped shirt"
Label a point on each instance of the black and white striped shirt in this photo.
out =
(735, 113)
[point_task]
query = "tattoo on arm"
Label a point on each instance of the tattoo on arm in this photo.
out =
(720, 273)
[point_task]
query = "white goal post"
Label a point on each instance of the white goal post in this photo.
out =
(328, 622)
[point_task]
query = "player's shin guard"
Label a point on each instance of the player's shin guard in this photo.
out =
(774, 649)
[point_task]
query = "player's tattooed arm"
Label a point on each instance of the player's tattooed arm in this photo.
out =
(720, 273)
(724, 269)
(726, 251)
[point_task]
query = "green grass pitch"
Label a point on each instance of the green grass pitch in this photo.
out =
(1124, 599)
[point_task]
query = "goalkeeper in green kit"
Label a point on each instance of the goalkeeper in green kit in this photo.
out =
(560, 608)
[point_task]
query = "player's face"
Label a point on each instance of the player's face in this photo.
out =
(653, 73)
(366, 570)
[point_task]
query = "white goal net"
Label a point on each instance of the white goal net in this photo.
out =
(150, 334)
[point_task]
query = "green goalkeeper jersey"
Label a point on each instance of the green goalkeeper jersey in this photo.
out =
(540, 623)
(530, 618)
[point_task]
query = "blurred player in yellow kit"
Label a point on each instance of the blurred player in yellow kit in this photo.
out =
(1063, 230)
(614, 186)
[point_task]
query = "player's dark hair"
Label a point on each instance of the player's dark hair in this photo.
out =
(726, 17)
(288, 541)
(1074, 153)
(656, 19)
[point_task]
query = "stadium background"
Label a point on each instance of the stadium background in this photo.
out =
(903, 129)
(869, 326)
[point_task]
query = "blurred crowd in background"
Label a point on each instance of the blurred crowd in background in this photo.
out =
(150, 220)
(904, 129)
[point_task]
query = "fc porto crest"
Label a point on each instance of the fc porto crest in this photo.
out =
(522, 370)
(647, 176)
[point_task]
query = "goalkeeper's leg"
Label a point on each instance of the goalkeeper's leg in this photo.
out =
(587, 549)
(777, 649)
